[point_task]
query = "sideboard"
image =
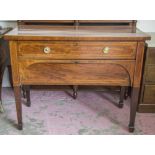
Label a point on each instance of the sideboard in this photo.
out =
(107, 53)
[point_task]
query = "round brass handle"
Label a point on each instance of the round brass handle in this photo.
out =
(106, 50)
(47, 50)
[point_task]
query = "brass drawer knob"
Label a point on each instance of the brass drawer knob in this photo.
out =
(106, 50)
(47, 50)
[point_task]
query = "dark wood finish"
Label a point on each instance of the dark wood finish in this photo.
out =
(150, 73)
(27, 95)
(126, 25)
(76, 35)
(46, 24)
(77, 50)
(17, 92)
(76, 72)
(79, 57)
(147, 96)
(122, 92)
(146, 108)
(133, 107)
(23, 91)
(136, 84)
(150, 56)
(127, 92)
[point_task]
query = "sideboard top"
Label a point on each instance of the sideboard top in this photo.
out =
(77, 34)
(100, 30)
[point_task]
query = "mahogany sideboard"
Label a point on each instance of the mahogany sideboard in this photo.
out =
(77, 53)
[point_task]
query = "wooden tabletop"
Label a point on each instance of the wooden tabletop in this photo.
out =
(77, 34)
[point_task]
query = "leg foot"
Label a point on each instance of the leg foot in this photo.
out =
(75, 91)
(133, 107)
(120, 105)
(131, 128)
(20, 126)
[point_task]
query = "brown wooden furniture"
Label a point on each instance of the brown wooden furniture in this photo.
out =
(108, 53)
(125, 25)
(4, 59)
(147, 96)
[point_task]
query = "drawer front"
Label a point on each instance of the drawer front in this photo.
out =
(149, 94)
(150, 73)
(77, 50)
(47, 72)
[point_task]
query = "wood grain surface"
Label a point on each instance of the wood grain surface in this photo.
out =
(116, 73)
(78, 50)
(77, 56)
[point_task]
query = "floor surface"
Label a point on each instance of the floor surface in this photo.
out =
(57, 113)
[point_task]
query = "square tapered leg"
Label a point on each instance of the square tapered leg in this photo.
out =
(133, 107)
(17, 92)
(122, 92)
